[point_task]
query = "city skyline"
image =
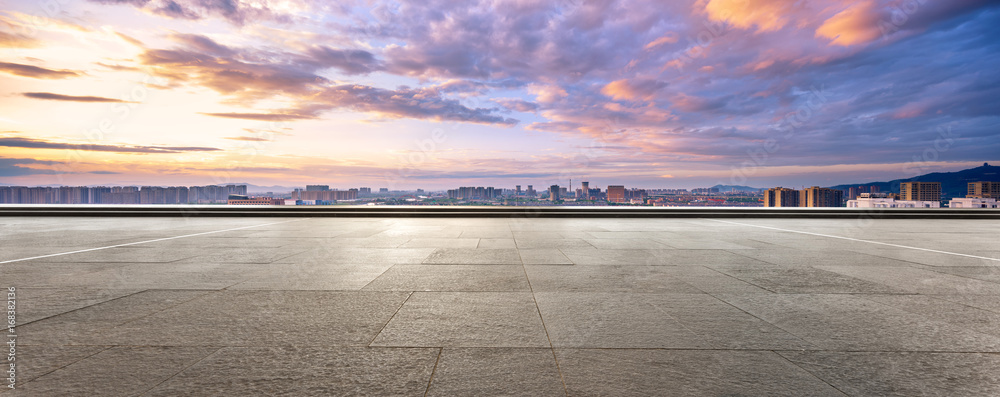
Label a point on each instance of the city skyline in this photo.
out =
(408, 95)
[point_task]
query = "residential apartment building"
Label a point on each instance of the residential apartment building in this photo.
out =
(781, 197)
(821, 197)
(920, 191)
(984, 190)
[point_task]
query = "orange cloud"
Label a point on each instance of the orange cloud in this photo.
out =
(766, 15)
(855, 25)
(631, 90)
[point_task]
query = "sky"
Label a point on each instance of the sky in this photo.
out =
(436, 94)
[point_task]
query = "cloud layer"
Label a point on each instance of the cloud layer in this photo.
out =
(19, 142)
(70, 98)
(696, 84)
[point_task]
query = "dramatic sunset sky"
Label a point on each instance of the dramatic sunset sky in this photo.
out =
(442, 93)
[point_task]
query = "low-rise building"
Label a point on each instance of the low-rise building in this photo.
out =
(972, 202)
(256, 201)
(881, 200)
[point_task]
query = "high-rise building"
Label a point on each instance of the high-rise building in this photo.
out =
(365, 190)
(781, 197)
(920, 191)
(635, 194)
(852, 192)
(530, 192)
(317, 188)
(383, 190)
(554, 193)
(984, 190)
(820, 197)
(517, 190)
(616, 194)
(585, 189)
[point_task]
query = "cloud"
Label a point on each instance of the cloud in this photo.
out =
(249, 75)
(129, 39)
(547, 93)
(644, 89)
(248, 139)
(518, 105)
(348, 61)
(235, 11)
(173, 9)
(9, 40)
(765, 15)
(856, 25)
(669, 38)
(36, 72)
(43, 144)
(407, 103)
(202, 44)
(10, 167)
(252, 74)
(119, 68)
(262, 116)
(57, 97)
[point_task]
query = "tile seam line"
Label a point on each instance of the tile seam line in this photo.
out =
(854, 239)
(538, 309)
(214, 352)
(69, 364)
(433, 371)
(794, 364)
(148, 241)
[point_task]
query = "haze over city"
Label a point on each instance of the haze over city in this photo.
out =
(495, 93)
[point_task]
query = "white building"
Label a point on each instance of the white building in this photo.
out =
(880, 200)
(969, 202)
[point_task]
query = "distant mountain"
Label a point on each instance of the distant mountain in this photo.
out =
(729, 188)
(953, 184)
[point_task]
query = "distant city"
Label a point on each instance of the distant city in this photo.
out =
(980, 194)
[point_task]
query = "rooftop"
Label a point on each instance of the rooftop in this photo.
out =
(161, 306)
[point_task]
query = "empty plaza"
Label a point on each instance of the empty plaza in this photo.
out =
(166, 306)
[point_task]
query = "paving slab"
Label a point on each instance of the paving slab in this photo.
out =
(903, 373)
(649, 372)
(451, 278)
(465, 319)
(675, 321)
(804, 279)
(852, 323)
(302, 371)
(500, 371)
(468, 256)
(544, 256)
(118, 371)
(588, 278)
(241, 318)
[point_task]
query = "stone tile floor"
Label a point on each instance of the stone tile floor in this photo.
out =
(482, 306)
